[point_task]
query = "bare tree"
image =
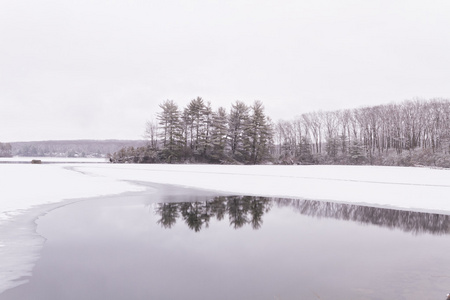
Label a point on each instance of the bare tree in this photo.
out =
(151, 133)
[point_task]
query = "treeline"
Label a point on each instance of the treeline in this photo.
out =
(197, 133)
(410, 133)
(5, 150)
(71, 148)
(406, 134)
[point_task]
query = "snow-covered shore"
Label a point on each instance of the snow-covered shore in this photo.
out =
(23, 186)
(419, 189)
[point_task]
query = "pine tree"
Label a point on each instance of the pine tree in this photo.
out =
(356, 153)
(171, 133)
(332, 146)
(257, 134)
(196, 116)
(205, 142)
(219, 134)
(237, 120)
(305, 152)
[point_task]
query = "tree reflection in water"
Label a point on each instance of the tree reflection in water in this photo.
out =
(243, 210)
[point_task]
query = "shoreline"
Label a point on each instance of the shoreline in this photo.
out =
(413, 189)
(422, 190)
(21, 244)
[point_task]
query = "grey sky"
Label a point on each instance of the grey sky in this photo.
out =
(99, 69)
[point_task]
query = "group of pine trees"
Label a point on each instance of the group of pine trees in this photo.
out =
(200, 134)
(409, 133)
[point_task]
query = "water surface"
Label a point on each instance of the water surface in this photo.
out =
(186, 244)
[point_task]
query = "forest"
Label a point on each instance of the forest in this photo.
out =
(5, 150)
(68, 148)
(411, 133)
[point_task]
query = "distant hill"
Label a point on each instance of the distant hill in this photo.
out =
(72, 148)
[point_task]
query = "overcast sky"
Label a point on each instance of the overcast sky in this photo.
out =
(99, 69)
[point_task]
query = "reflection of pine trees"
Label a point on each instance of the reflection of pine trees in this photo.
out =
(195, 214)
(240, 210)
(219, 207)
(237, 212)
(257, 207)
(243, 210)
(168, 212)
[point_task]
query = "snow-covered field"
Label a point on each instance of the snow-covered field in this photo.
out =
(24, 186)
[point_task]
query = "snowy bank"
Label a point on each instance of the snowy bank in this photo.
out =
(25, 185)
(417, 189)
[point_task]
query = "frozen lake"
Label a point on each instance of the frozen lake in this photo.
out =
(188, 244)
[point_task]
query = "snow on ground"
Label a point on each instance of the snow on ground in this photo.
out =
(23, 186)
(26, 185)
(418, 189)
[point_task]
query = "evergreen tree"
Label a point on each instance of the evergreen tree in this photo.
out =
(219, 131)
(332, 147)
(356, 153)
(205, 142)
(186, 124)
(171, 133)
(196, 117)
(305, 152)
(257, 134)
(237, 120)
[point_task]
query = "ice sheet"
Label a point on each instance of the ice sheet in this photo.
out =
(418, 189)
(24, 185)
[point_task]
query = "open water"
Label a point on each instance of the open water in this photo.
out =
(186, 244)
